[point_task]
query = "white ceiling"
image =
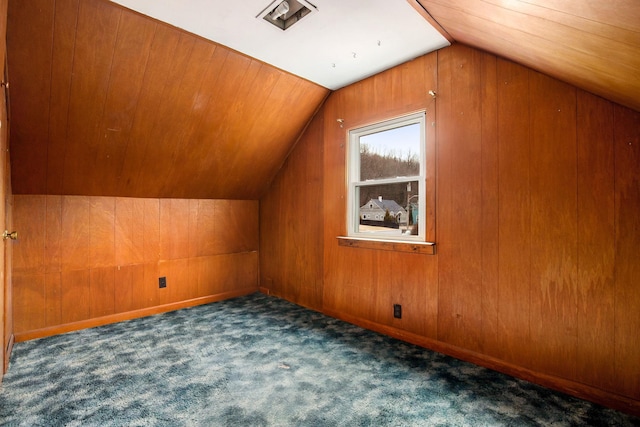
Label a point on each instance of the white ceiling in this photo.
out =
(343, 42)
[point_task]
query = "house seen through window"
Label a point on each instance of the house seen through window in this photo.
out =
(386, 171)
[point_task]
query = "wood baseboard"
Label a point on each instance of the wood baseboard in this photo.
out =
(119, 317)
(579, 390)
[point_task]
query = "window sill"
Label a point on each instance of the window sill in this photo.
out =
(424, 248)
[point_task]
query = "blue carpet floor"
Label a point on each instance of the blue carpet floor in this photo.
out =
(261, 361)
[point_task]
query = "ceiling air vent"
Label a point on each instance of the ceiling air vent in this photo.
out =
(284, 14)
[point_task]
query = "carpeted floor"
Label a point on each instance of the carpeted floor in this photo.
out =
(261, 361)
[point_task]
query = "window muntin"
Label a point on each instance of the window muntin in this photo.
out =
(386, 171)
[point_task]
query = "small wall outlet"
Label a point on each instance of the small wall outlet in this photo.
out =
(397, 311)
(162, 282)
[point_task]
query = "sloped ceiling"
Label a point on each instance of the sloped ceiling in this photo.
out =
(338, 43)
(592, 44)
(107, 101)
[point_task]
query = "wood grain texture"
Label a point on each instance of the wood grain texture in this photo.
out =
(143, 109)
(87, 257)
(536, 225)
(75, 298)
(554, 234)
(290, 226)
(490, 204)
(365, 282)
(596, 242)
(514, 234)
(102, 232)
(30, 116)
(129, 230)
(53, 299)
(627, 270)
(30, 256)
(102, 291)
(75, 236)
(6, 211)
(28, 301)
(566, 40)
(53, 234)
(460, 197)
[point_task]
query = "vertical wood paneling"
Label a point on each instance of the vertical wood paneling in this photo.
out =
(236, 226)
(34, 64)
(148, 292)
(194, 213)
(366, 283)
(53, 299)
(204, 105)
(74, 239)
(536, 224)
(179, 288)
(154, 140)
(514, 238)
(490, 204)
(228, 82)
(101, 232)
(238, 271)
(151, 230)
(596, 242)
(28, 302)
(553, 181)
(97, 26)
(143, 109)
(53, 234)
(75, 296)
(156, 78)
(202, 273)
(62, 50)
(177, 105)
(205, 228)
(135, 34)
(29, 254)
(129, 231)
(129, 283)
(460, 198)
(174, 228)
(103, 254)
(102, 291)
(627, 271)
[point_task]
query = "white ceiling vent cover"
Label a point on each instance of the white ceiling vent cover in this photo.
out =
(283, 14)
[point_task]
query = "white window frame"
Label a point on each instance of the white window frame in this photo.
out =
(354, 183)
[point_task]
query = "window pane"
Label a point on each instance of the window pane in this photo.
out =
(388, 209)
(391, 153)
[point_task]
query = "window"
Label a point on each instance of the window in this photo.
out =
(387, 185)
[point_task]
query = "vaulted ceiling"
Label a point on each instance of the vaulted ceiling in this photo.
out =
(108, 101)
(592, 44)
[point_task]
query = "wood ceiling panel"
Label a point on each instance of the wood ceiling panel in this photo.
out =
(65, 17)
(592, 45)
(155, 79)
(30, 117)
(125, 85)
(122, 105)
(96, 34)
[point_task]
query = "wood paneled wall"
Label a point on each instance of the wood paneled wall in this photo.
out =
(6, 248)
(83, 258)
(290, 243)
(109, 102)
(564, 39)
(537, 224)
